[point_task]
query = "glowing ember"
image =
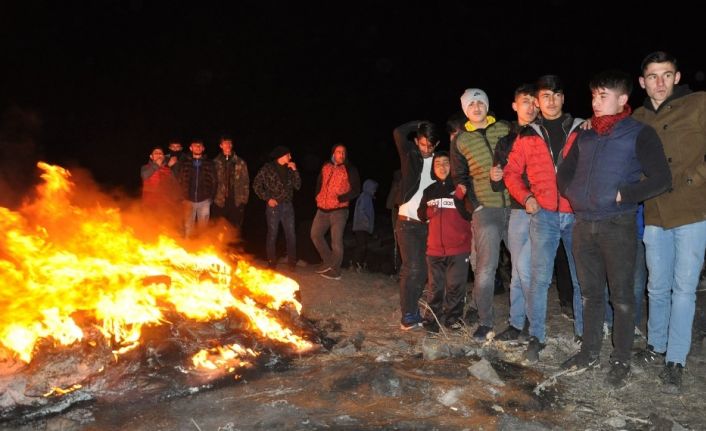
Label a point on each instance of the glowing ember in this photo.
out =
(227, 357)
(65, 266)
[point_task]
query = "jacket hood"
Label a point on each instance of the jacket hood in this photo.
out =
(431, 172)
(370, 187)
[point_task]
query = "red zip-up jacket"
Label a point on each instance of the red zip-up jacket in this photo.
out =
(531, 155)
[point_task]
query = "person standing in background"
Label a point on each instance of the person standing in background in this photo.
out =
(233, 185)
(363, 223)
(338, 183)
(275, 184)
(197, 176)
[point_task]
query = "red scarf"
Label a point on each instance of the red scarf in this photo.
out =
(603, 125)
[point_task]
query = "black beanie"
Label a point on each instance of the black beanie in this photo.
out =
(279, 151)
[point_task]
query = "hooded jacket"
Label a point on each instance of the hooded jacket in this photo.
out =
(680, 122)
(364, 215)
(336, 185)
(442, 206)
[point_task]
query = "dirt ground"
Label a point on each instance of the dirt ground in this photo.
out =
(377, 377)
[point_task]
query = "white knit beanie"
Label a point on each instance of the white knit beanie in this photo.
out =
(472, 94)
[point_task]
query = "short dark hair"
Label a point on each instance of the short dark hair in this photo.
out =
(613, 80)
(429, 130)
(225, 137)
(456, 122)
(550, 82)
(658, 57)
(530, 89)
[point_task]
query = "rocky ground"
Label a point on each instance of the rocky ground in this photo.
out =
(377, 377)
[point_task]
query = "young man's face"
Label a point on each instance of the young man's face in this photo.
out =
(339, 155)
(550, 103)
(442, 167)
(659, 80)
(606, 101)
(425, 146)
(227, 146)
(476, 111)
(157, 156)
(196, 148)
(175, 146)
(526, 108)
(284, 159)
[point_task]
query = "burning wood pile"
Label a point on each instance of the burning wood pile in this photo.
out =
(90, 311)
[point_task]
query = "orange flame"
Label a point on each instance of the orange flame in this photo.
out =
(58, 259)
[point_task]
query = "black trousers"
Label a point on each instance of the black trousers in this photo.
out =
(445, 293)
(605, 250)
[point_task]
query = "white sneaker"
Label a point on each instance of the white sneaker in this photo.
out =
(323, 269)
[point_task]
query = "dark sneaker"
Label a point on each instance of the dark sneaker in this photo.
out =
(483, 333)
(411, 322)
(323, 269)
(671, 378)
(410, 326)
(509, 334)
(618, 373)
(533, 349)
(331, 274)
(648, 356)
(581, 362)
(471, 316)
(431, 326)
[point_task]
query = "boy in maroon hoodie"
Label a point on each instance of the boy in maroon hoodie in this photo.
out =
(448, 246)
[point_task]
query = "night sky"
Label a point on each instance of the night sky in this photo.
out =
(97, 83)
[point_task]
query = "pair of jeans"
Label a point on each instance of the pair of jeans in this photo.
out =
(674, 260)
(412, 241)
(445, 293)
(546, 229)
(281, 213)
(323, 222)
(519, 247)
(489, 227)
(639, 286)
(605, 250)
(196, 212)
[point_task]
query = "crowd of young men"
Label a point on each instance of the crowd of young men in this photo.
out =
(548, 178)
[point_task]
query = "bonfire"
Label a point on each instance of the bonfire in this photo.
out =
(86, 303)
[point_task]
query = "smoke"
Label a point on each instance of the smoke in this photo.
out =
(19, 131)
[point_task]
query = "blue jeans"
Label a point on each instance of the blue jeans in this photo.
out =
(639, 286)
(489, 227)
(412, 239)
(546, 228)
(323, 221)
(674, 259)
(519, 246)
(282, 213)
(196, 212)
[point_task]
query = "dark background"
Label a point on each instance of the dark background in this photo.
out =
(97, 83)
